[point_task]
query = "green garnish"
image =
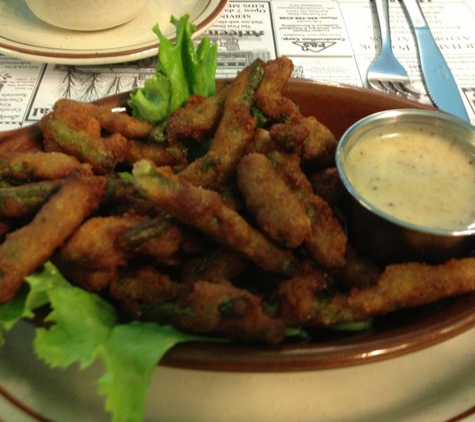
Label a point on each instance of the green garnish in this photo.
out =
(181, 72)
(84, 328)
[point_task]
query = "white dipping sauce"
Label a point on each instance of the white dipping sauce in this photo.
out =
(416, 175)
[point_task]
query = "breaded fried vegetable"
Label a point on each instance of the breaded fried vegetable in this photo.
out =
(288, 167)
(123, 197)
(27, 140)
(78, 115)
(94, 247)
(271, 202)
(236, 313)
(327, 184)
(159, 133)
(26, 199)
(30, 246)
(75, 111)
(297, 296)
(399, 286)
(357, 272)
(202, 307)
(140, 291)
(204, 210)
(234, 132)
(326, 242)
(137, 234)
(108, 120)
(122, 123)
(93, 255)
(261, 142)
(198, 119)
(163, 248)
(84, 146)
(160, 155)
(320, 144)
(269, 98)
(409, 285)
(159, 237)
(39, 165)
(289, 135)
(217, 266)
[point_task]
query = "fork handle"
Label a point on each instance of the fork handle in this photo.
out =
(382, 10)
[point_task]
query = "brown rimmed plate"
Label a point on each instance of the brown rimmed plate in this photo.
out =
(393, 335)
(24, 36)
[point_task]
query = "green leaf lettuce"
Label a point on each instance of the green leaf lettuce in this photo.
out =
(84, 327)
(181, 71)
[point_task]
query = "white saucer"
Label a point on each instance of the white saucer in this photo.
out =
(24, 36)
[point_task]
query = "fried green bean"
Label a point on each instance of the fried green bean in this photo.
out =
(109, 120)
(261, 142)
(326, 242)
(411, 284)
(289, 135)
(220, 265)
(399, 286)
(202, 307)
(92, 255)
(320, 144)
(128, 126)
(234, 132)
(269, 98)
(276, 210)
(38, 165)
(205, 210)
(159, 237)
(217, 308)
(198, 119)
(140, 233)
(81, 144)
(357, 271)
(160, 155)
(26, 199)
(296, 296)
(27, 248)
(123, 197)
(327, 184)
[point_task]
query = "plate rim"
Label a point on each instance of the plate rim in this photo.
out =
(459, 411)
(212, 10)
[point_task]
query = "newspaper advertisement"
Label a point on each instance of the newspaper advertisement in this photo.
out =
(330, 41)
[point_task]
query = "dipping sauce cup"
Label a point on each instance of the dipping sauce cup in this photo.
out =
(410, 175)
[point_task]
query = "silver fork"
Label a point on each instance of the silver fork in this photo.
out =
(386, 73)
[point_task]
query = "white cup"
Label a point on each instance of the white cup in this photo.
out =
(86, 15)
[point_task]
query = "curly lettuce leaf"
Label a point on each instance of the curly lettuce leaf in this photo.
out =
(203, 65)
(84, 327)
(11, 312)
(29, 298)
(131, 353)
(81, 320)
(151, 102)
(181, 71)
